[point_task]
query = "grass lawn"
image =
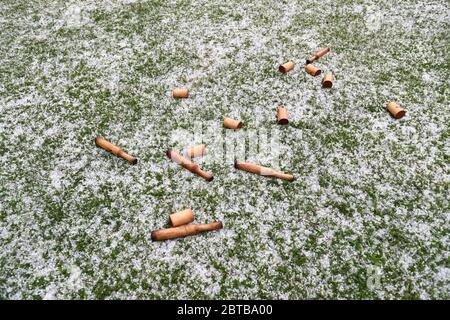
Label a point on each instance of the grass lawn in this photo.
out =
(367, 216)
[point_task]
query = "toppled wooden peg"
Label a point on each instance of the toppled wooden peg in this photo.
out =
(196, 151)
(115, 150)
(312, 70)
(186, 163)
(180, 93)
(327, 81)
(286, 67)
(231, 123)
(263, 171)
(282, 116)
(317, 55)
(183, 231)
(396, 111)
(181, 217)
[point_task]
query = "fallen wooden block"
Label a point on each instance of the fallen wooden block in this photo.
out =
(180, 93)
(282, 116)
(396, 111)
(231, 123)
(327, 81)
(263, 171)
(183, 231)
(196, 151)
(286, 67)
(181, 217)
(115, 150)
(186, 163)
(312, 70)
(317, 55)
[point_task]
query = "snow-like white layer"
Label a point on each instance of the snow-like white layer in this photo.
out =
(366, 217)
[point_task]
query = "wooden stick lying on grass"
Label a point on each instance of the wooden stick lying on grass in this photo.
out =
(183, 231)
(263, 171)
(115, 150)
(186, 163)
(317, 55)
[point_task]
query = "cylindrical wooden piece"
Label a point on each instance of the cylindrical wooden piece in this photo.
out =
(396, 111)
(115, 150)
(196, 151)
(327, 81)
(180, 93)
(317, 55)
(189, 165)
(231, 123)
(263, 171)
(286, 67)
(282, 116)
(181, 217)
(312, 70)
(183, 231)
